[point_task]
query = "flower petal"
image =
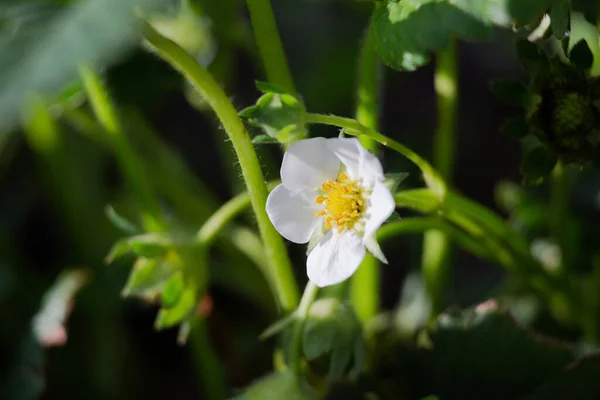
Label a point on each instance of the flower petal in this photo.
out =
(293, 214)
(347, 151)
(335, 258)
(308, 164)
(360, 164)
(380, 206)
(370, 169)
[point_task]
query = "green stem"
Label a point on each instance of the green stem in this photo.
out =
(422, 224)
(446, 89)
(365, 283)
(269, 43)
(435, 262)
(367, 110)
(104, 110)
(308, 297)
(279, 263)
(224, 215)
(352, 127)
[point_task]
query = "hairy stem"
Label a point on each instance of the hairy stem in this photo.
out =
(278, 261)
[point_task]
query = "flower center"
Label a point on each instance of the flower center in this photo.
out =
(344, 203)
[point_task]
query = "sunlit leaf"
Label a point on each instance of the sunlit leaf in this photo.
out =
(278, 113)
(171, 316)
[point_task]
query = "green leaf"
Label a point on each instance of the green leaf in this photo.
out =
(150, 244)
(581, 56)
(279, 114)
(264, 139)
(320, 328)
(267, 87)
(120, 222)
(405, 32)
(394, 217)
(45, 59)
(147, 279)
(511, 92)
(393, 180)
(538, 163)
(560, 17)
(516, 127)
(276, 387)
(482, 353)
(277, 326)
(119, 249)
(525, 12)
(172, 291)
(171, 316)
(577, 381)
(145, 245)
(332, 329)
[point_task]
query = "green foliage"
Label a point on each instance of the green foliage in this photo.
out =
(538, 163)
(178, 304)
(516, 127)
(58, 45)
(581, 56)
(512, 92)
(277, 386)
(145, 245)
(560, 112)
(407, 31)
(332, 334)
(147, 279)
(483, 353)
(560, 18)
(278, 113)
(575, 381)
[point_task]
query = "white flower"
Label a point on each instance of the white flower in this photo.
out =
(333, 186)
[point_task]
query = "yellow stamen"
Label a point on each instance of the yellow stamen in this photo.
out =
(343, 200)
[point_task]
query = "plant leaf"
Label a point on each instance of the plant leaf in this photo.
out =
(577, 381)
(581, 56)
(44, 60)
(538, 164)
(512, 92)
(147, 279)
(560, 19)
(278, 113)
(406, 31)
(171, 316)
(486, 346)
